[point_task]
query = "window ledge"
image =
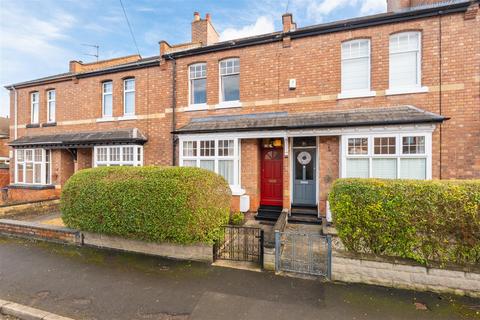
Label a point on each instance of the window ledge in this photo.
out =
(127, 117)
(197, 107)
(228, 104)
(31, 186)
(356, 94)
(49, 124)
(391, 92)
(237, 191)
(105, 119)
(33, 125)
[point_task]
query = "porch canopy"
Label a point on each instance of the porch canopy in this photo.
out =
(400, 115)
(80, 139)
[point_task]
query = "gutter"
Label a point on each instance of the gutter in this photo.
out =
(326, 126)
(355, 23)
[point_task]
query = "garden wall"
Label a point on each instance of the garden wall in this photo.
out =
(401, 273)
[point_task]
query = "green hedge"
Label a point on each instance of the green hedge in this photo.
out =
(421, 220)
(172, 204)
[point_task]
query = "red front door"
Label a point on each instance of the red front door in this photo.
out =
(272, 177)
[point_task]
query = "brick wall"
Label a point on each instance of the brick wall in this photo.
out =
(328, 149)
(34, 230)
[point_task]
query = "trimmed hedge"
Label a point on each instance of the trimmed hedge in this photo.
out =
(172, 204)
(421, 220)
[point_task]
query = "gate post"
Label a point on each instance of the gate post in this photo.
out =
(277, 250)
(329, 257)
(261, 248)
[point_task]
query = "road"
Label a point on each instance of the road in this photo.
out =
(87, 283)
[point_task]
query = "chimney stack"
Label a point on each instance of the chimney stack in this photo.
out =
(288, 24)
(203, 30)
(397, 5)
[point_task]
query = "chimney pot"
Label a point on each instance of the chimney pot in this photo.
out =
(207, 17)
(196, 16)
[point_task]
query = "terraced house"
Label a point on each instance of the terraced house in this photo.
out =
(280, 116)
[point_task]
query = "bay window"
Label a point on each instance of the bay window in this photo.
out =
(387, 156)
(127, 155)
(198, 83)
(230, 80)
(355, 73)
(33, 166)
(218, 155)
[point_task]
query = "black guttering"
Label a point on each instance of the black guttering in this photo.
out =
(120, 68)
(318, 126)
(351, 24)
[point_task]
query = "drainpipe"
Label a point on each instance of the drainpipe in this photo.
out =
(440, 86)
(174, 102)
(15, 125)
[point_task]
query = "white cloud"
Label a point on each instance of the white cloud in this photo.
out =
(373, 6)
(262, 25)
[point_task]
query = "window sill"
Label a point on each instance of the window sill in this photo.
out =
(33, 125)
(31, 186)
(197, 107)
(127, 117)
(356, 94)
(391, 92)
(49, 124)
(105, 119)
(237, 191)
(228, 104)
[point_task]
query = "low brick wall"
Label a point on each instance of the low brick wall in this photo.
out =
(33, 230)
(31, 208)
(194, 252)
(351, 268)
(15, 194)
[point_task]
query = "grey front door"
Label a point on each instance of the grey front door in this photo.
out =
(304, 176)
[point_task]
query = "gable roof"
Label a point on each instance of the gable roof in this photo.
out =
(328, 119)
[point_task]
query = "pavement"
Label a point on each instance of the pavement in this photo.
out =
(87, 283)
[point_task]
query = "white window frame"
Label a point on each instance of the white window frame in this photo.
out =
(137, 156)
(236, 189)
(357, 93)
(223, 103)
(125, 91)
(103, 99)
(34, 107)
(44, 180)
(427, 155)
(416, 88)
(51, 115)
(191, 104)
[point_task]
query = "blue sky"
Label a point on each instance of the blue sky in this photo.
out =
(39, 37)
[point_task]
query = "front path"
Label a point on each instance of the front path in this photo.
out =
(86, 283)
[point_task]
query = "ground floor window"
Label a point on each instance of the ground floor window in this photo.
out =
(218, 155)
(128, 155)
(33, 166)
(387, 156)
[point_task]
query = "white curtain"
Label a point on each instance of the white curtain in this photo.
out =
(225, 169)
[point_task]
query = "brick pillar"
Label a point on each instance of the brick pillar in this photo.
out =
(286, 177)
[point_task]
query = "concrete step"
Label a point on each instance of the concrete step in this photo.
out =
(302, 218)
(304, 210)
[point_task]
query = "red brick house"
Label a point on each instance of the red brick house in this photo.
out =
(280, 115)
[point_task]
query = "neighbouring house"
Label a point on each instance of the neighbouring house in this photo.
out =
(280, 115)
(4, 152)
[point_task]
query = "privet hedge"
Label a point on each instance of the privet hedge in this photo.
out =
(421, 220)
(172, 204)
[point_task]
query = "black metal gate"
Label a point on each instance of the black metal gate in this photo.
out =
(240, 243)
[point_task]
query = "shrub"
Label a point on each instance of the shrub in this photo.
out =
(173, 204)
(421, 220)
(237, 218)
